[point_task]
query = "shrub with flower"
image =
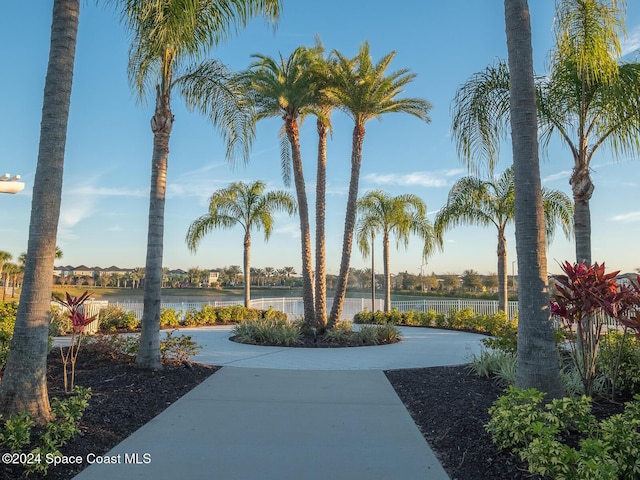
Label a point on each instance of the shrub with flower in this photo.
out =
(74, 308)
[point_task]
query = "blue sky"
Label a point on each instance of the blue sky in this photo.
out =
(107, 167)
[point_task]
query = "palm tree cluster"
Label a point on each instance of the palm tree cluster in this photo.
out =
(589, 99)
(308, 83)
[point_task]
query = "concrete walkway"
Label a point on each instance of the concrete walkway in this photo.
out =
(292, 413)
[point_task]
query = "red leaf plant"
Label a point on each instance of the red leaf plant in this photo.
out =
(583, 297)
(75, 311)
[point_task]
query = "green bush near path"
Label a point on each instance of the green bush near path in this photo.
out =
(495, 324)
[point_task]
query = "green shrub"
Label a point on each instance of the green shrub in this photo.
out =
(388, 333)
(179, 348)
(367, 335)
(267, 331)
(169, 318)
(114, 345)
(340, 333)
(59, 322)
(496, 364)
(363, 317)
(606, 450)
(8, 313)
(114, 318)
(16, 432)
(619, 363)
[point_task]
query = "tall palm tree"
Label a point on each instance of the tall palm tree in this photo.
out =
(10, 271)
(244, 205)
(5, 257)
(322, 108)
(24, 384)
(167, 35)
(537, 362)
(285, 88)
(365, 90)
(589, 100)
(402, 215)
(491, 202)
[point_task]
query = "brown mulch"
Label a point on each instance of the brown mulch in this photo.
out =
(449, 405)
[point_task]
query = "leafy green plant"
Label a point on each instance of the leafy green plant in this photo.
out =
(367, 335)
(619, 362)
(8, 313)
(114, 318)
(15, 434)
(496, 364)
(169, 318)
(179, 348)
(388, 333)
(516, 418)
(267, 331)
(114, 344)
(608, 449)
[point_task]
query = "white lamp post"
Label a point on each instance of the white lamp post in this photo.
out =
(9, 184)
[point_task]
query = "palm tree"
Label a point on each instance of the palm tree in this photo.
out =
(10, 271)
(24, 384)
(589, 100)
(491, 202)
(244, 205)
(285, 88)
(364, 91)
(166, 35)
(322, 71)
(402, 215)
(5, 258)
(537, 362)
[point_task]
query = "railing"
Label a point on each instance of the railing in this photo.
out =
(294, 306)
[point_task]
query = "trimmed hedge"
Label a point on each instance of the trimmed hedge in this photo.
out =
(466, 319)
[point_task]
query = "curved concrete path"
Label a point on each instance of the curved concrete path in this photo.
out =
(420, 347)
(290, 413)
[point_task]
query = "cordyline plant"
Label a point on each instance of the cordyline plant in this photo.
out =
(584, 296)
(75, 311)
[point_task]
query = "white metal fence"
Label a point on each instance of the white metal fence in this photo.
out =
(294, 307)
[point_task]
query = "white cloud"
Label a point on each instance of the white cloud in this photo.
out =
(627, 217)
(292, 229)
(440, 178)
(562, 175)
(631, 43)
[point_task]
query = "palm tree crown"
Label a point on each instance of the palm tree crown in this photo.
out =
(365, 90)
(473, 201)
(246, 205)
(402, 215)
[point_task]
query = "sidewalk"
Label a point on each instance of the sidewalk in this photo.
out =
(289, 421)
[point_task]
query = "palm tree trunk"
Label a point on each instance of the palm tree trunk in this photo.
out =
(161, 124)
(303, 210)
(349, 225)
(503, 298)
(582, 187)
(24, 385)
(321, 186)
(387, 272)
(537, 362)
(247, 272)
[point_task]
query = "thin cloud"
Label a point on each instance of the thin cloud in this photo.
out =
(629, 217)
(562, 175)
(292, 229)
(440, 178)
(631, 43)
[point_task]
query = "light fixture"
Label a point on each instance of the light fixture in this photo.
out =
(9, 184)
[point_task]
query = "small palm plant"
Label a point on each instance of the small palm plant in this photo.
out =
(75, 311)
